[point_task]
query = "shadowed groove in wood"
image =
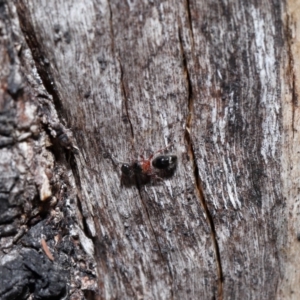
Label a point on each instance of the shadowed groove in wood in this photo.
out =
(198, 186)
(125, 99)
(38, 55)
(291, 70)
(289, 281)
(208, 215)
(188, 7)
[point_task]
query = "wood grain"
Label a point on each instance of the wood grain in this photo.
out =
(212, 79)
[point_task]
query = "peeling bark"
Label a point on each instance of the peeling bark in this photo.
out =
(86, 86)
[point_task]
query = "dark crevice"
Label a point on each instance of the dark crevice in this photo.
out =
(50, 86)
(209, 217)
(188, 7)
(289, 41)
(48, 82)
(199, 190)
(38, 55)
(44, 72)
(125, 99)
(79, 201)
(294, 102)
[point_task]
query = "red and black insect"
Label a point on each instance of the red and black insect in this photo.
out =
(143, 171)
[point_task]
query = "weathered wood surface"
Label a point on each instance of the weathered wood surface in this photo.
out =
(216, 80)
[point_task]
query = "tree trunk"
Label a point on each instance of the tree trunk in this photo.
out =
(89, 85)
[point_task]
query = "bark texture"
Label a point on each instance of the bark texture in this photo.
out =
(87, 85)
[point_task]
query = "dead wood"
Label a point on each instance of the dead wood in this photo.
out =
(86, 86)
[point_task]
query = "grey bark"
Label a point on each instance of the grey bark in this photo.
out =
(87, 85)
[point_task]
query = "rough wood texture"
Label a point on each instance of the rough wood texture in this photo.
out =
(290, 153)
(86, 85)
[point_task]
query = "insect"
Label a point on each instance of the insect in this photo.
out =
(145, 170)
(139, 172)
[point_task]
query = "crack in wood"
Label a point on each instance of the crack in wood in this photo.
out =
(38, 55)
(294, 101)
(123, 90)
(198, 186)
(208, 215)
(291, 71)
(188, 7)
